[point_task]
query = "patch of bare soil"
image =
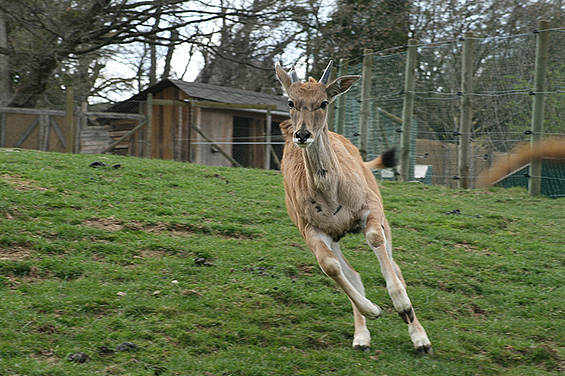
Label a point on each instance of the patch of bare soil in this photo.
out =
(159, 228)
(20, 184)
(106, 224)
(472, 249)
(46, 355)
(16, 253)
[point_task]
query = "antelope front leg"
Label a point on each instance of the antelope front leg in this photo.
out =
(377, 239)
(320, 244)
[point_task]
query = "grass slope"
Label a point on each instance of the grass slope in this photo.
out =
(201, 268)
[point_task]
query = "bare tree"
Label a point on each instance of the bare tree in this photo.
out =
(43, 36)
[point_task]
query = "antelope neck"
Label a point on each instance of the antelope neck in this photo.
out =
(321, 163)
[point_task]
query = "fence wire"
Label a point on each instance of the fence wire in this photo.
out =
(502, 95)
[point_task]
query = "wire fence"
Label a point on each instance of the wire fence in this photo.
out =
(503, 75)
(502, 96)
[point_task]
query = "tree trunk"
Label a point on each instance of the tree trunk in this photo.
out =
(169, 56)
(34, 84)
(5, 87)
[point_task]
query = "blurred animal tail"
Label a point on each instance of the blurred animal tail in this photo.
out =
(385, 160)
(520, 156)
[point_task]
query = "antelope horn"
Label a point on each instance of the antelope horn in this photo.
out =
(326, 74)
(293, 76)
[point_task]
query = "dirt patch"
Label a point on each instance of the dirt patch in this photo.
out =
(46, 355)
(175, 229)
(16, 253)
(106, 224)
(20, 184)
(472, 249)
(160, 228)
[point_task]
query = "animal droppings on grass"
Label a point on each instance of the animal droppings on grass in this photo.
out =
(201, 261)
(126, 346)
(105, 351)
(78, 357)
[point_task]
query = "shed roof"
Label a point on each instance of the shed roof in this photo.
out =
(215, 93)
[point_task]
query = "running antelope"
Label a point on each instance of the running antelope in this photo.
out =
(330, 191)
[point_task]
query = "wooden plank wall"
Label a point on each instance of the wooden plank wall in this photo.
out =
(94, 139)
(218, 126)
(16, 125)
(170, 130)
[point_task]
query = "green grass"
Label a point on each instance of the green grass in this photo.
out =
(88, 258)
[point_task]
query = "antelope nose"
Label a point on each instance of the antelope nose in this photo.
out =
(302, 135)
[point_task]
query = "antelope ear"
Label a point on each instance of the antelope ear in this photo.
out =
(340, 86)
(283, 77)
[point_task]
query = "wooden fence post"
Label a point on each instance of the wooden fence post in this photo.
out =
(464, 157)
(44, 129)
(2, 129)
(82, 124)
(340, 111)
(268, 127)
(542, 43)
(149, 127)
(69, 123)
(406, 173)
(365, 107)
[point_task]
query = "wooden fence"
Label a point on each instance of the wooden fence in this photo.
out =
(72, 131)
(78, 130)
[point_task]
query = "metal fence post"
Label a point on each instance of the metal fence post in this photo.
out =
(365, 108)
(268, 126)
(463, 156)
(340, 112)
(542, 42)
(407, 112)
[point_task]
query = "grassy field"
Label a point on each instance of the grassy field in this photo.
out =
(202, 270)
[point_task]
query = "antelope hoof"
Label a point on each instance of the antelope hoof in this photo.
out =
(425, 349)
(407, 315)
(362, 341)
(363, 348)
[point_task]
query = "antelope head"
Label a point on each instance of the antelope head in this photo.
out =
(308, 102)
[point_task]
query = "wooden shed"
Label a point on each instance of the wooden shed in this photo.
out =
(202, 123)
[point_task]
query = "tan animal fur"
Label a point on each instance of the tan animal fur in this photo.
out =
(520, 156)
(329, 192)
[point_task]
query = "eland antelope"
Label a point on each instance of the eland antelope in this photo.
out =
(330, 191)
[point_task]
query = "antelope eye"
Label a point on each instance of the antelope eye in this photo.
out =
(291, 104)
(324, 104)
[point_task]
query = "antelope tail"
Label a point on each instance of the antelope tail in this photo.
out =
(385, 160)
(520, 156)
